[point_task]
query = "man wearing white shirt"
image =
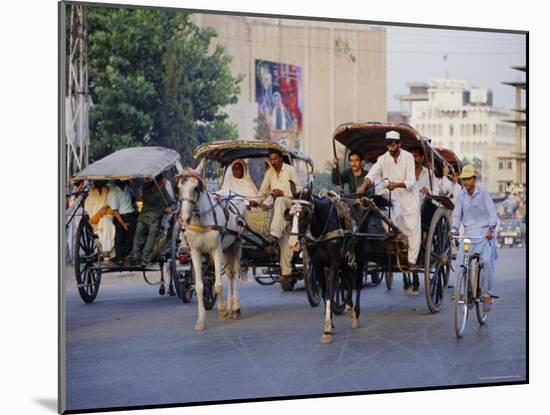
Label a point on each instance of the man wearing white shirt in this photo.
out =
(397, 165)
(276, 184)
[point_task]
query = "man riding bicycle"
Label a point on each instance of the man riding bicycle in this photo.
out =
(475, 210)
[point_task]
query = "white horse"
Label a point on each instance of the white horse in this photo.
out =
(212, 226)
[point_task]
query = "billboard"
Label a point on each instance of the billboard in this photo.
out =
(279, 99)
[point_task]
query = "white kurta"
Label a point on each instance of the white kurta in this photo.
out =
(105, 228)
(424, 181)
(406, 208)
(280, 181)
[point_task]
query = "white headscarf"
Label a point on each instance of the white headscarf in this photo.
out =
(243, 186)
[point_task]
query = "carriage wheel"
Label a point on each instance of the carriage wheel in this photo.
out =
(86, 256)
(437, 262)
(388, 276)
(338, 304)
(313, 290)
(264, 279)
(376, 278)
(174, 258)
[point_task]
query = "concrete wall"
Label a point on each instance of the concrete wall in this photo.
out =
(343, 69)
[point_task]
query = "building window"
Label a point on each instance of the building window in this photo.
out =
(509, 164)
(500, 165)
(451, 130)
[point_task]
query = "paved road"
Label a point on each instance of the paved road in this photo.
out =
(133, 347)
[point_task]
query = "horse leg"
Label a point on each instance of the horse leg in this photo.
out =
(236, 270)
(357, 282)
(326, 338)
(217, 257)
(196, 260)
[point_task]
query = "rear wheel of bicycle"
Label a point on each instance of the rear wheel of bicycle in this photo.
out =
(460, 309)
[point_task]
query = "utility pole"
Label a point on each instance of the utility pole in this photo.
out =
(77, 101)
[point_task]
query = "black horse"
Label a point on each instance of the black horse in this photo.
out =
(320, 224)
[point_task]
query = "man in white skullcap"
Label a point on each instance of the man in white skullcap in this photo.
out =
(395, 170)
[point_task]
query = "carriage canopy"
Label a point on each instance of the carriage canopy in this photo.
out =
(225, 152)
(130, 163)
(371, 137)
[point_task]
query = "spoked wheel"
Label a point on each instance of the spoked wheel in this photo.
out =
(376, 278)
(313, 289)
(437, 262)
(86, 257)
(460, 309)
(174, 258)
(338, 304)
(481, 315)
(264, 279)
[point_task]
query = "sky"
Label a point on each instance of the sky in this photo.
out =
(482, 59)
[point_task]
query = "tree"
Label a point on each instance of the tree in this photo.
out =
(153, 81)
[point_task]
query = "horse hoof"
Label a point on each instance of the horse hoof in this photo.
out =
(199, 327)
(223, 315)
(326, 339)
(235, 314)
(355, 324)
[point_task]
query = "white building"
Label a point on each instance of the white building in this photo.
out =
(464, 120)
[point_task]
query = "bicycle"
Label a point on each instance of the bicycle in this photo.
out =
(467, 291)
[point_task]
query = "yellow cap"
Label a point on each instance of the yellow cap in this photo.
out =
(467, 172)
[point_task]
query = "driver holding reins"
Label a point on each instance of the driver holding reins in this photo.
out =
(395, 170)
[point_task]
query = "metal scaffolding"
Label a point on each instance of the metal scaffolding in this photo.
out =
(77, 101)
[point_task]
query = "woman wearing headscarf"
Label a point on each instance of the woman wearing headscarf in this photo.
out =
(237, 180)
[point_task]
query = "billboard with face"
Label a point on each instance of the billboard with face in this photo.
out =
(279, 99)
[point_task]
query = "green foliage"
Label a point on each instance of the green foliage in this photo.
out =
(154, 80)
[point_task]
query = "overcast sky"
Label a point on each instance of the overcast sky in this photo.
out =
(482, 59)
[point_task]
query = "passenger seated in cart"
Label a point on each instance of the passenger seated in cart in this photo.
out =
(353, 176)
(237, 180)
(395, 170)
(422, 174)
(156, 202)
(101, 219)
(120, 200)
(276, 184)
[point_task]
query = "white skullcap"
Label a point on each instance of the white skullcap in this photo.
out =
(392, 135)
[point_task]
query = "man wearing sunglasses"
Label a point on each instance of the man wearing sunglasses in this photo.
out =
(395, 171)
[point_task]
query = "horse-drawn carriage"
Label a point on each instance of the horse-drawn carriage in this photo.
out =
(388, 248)
(134, 166)
(258, 252)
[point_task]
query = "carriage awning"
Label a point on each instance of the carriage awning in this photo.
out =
(225, 152)
(371, 137)
(129, 163)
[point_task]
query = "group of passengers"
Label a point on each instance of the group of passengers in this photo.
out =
(404, 175)
(274, 193)
(123, 236)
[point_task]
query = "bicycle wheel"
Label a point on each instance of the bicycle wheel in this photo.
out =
(481, 315)
(460, 308)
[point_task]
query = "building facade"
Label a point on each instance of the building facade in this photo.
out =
(465, 121)
(331, 73)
